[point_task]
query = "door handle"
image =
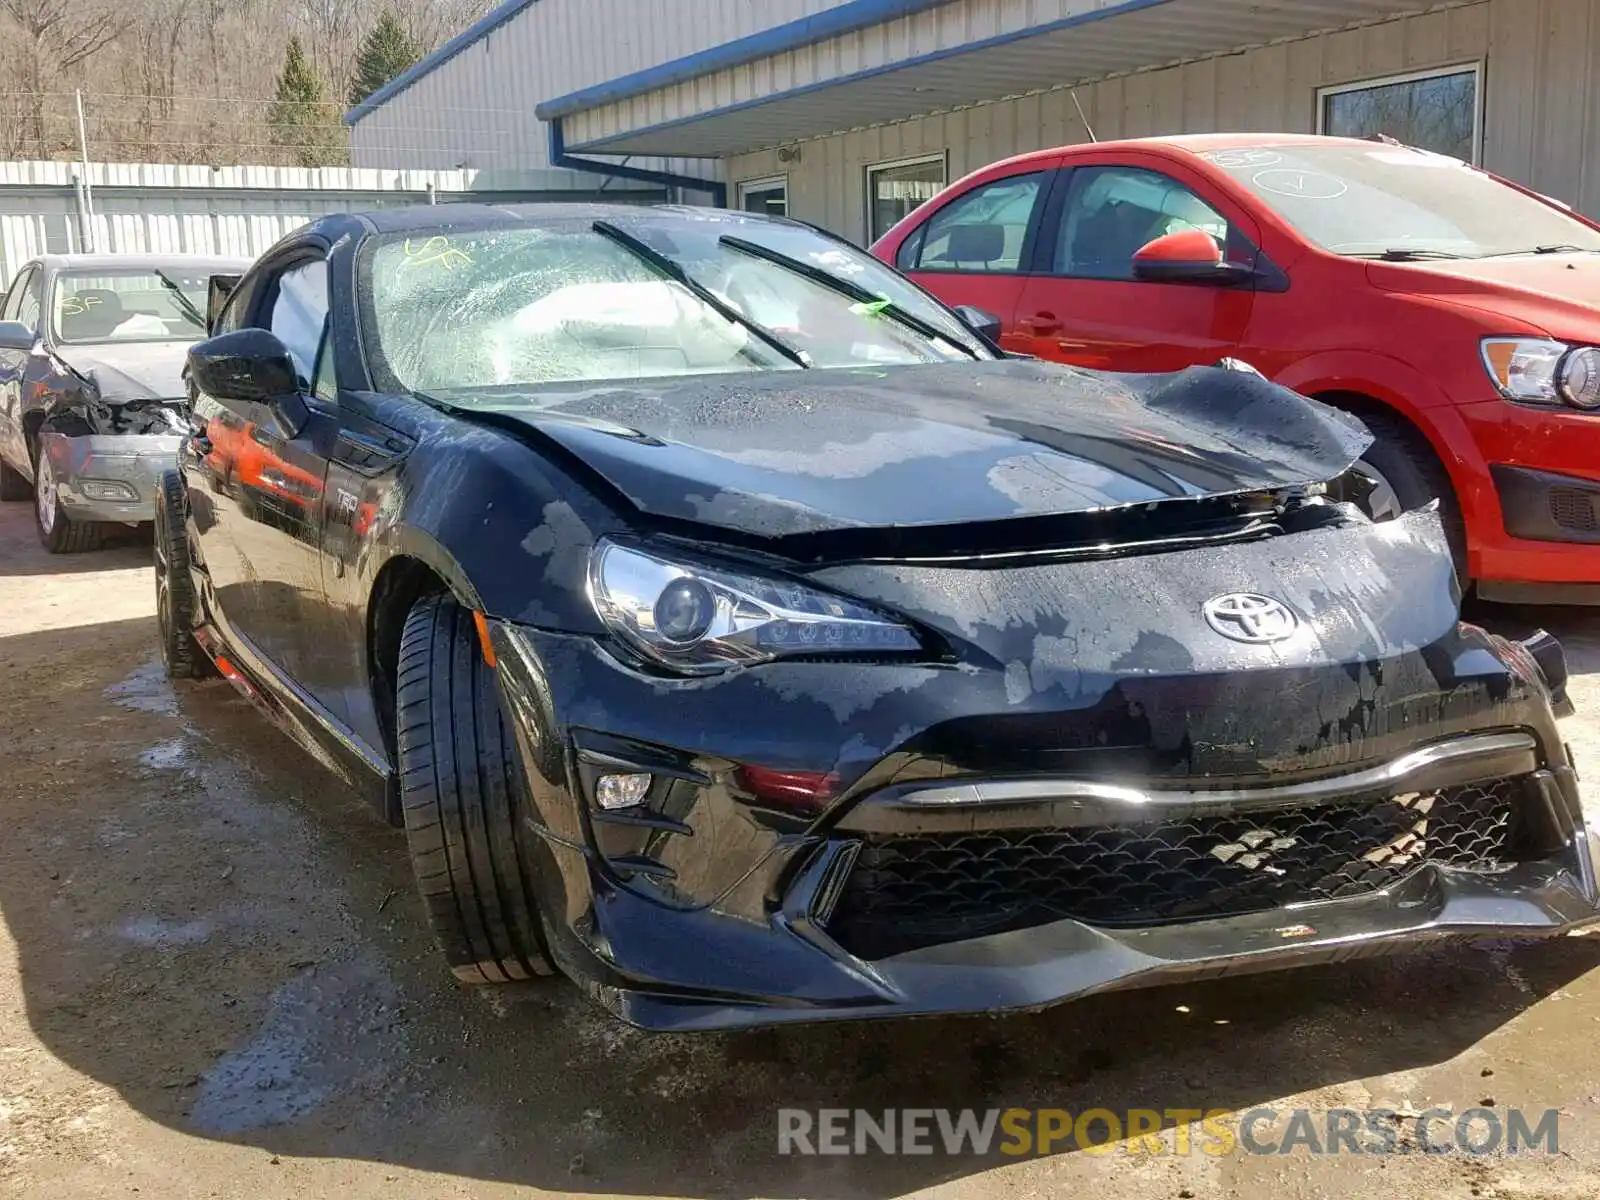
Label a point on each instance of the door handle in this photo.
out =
(1041, 324)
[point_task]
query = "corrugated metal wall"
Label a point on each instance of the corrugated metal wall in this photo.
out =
(477, 109)
(234, 210)
(1542, 105)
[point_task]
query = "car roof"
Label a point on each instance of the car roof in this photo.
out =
(446, 217)
(110, 262)
(1191, 143)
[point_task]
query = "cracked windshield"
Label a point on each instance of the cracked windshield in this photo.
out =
(518, 308)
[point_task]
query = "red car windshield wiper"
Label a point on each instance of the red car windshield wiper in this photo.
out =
(880, 304)
(678, 275)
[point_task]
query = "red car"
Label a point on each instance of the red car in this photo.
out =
(1456, 313)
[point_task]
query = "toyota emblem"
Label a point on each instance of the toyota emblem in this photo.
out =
(1248, 617)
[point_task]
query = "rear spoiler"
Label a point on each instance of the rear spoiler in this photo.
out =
(217, 293)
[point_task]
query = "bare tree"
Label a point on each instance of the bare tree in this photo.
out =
(60, 35)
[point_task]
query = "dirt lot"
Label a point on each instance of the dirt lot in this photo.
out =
(215, 982)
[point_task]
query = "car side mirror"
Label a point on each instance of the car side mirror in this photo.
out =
(14, 335)
(1188, 256)
(250, 370)
(982, 322)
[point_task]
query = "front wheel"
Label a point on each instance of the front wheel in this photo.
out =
(1406, 475)
(176, 605)
(58, 533)
(460, 791)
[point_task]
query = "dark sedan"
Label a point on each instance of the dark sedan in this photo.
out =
(733, 629)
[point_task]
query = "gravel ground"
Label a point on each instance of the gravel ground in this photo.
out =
(215, 982)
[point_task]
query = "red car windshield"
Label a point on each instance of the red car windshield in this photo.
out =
(1378, 199)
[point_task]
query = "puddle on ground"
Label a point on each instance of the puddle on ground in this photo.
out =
(153, 931)
(146, 689)
(317, 1038)
(173, 755)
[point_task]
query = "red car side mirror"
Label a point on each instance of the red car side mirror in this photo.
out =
(1188, 256)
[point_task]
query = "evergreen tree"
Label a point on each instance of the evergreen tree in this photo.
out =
(385, 52)
(301, 119)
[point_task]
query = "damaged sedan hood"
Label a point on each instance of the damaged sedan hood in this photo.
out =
(129, 371)
(790, 453)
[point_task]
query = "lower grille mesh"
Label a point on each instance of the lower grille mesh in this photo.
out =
(911, 891)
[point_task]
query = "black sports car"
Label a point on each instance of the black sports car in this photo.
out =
(735, 630)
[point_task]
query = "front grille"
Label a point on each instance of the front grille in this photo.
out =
(1573, 509)
(911, 891)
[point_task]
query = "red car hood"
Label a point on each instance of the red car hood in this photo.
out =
(1557, 294)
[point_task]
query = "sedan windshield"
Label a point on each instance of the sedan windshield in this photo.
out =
(151, 304)
(1382, 200)
(641, 297)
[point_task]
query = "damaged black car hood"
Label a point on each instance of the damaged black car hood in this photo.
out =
(789, 453)
(130, 371)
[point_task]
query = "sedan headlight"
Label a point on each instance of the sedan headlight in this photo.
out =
(701, 619)
(1540, 371)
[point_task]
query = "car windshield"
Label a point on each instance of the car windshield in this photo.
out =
(1384, 200)
(640, 297)
(148, 304)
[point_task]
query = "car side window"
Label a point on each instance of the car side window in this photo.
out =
(299, 315)
(29, 306)
(984, 231)
(13, 302)
(1111, 212)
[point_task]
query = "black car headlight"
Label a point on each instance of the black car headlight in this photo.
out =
(700, 619)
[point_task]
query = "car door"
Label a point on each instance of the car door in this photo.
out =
(1085, 307)
(976, 248)
(257, 486)
(21, 304)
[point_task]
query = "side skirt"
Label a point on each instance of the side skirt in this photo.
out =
(303, 718)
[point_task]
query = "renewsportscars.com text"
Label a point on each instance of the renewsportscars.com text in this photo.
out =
(1181, 1131)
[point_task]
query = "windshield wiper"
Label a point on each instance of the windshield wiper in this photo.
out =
(880, 304)
(678, 275)
(1547, 248)
(1409, 254)
(188, 306)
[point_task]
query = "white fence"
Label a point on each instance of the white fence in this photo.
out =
(149, 207)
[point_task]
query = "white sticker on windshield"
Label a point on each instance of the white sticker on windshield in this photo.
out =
(1414, 158)
(1237, 160)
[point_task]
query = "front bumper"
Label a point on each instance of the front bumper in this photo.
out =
(109, 477)
(720, 907)
(1530, 514)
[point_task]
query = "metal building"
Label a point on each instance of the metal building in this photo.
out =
(849, 112)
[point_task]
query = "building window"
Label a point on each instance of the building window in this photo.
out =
(767, 196)
(1433, 110)
(894, 189)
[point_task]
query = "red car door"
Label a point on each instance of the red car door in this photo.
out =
(975, 247)
(1085, 306)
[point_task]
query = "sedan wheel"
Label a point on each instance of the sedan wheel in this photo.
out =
(1406, 475)
(58, 533)
(176, 607)
(1381, 503)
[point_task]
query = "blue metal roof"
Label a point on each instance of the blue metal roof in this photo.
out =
(462, 41)
(818, 27)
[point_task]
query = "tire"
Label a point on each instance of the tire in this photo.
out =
(461, 795)
(14, 484)
(176, 602)
(58, 533)
(1410, 476)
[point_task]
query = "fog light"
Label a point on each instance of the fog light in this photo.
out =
(107, 489)
(621, 791)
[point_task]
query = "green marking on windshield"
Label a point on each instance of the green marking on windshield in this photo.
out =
(871, 308)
